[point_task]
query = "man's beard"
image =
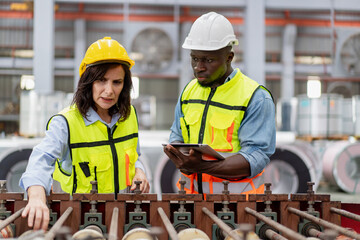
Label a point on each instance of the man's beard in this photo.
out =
(216, 83)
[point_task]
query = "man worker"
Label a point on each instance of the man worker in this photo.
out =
(225, 109)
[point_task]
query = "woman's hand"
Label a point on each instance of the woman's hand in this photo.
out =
(140, 176)
(36, 209)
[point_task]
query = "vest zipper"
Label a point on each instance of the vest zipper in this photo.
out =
(201, 134)
(115, 162)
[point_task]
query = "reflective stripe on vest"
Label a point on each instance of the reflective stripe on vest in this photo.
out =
(97, 154)
(213, 116)
(214, 185)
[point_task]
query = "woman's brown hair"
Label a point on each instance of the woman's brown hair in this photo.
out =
(83, 97)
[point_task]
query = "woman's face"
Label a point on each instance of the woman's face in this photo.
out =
(106, 91)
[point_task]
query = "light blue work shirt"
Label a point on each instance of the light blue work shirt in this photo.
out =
(54, 146)
(257, 132)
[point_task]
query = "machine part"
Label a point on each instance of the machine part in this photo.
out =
(261, 227)
(93, 219)
(7, 218)
(166, 176)
(305, 227)
(138, 233)
(7, 231)
(218, 233)
(192, 233)
(244, 232)
(53, 218)
(6, 221)
(273, 224)
(341, 162)
(13, 163)
(113, 232)
(264, 228)
(220, 223)
(181, 226)
(345, 213)
(227, 217)
(136, 220)
(169, 227)
(324, 223)
(51, 234)
(182, 220)
(292, 166)
(88, 234)
(32, 235)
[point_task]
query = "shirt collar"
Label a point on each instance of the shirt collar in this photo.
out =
(231, 75)
(92, 117)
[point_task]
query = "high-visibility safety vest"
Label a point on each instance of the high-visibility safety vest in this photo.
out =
(98, 154)
(213, 116)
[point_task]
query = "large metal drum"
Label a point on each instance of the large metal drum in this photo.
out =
(341, 161)
(292, 166)
(320, 117)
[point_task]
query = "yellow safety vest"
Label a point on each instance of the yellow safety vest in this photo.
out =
(97, 154)
(213, 116)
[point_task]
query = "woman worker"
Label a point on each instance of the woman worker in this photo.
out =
(95, 139)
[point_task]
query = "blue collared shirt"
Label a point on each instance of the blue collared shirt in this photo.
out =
(257, 132)
(55, 146)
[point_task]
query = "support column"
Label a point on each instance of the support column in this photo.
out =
(44, 46)
(79, 47)
(186, 72)
(287, 59)
(254, 40)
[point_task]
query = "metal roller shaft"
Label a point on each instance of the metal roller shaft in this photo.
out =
(324, 223)
(345, 213)
(52, 232)
(274, 224)
(317, 234)
(169, 227)
(114, 224)
(11, 218)
(271, 234)
(220, 223)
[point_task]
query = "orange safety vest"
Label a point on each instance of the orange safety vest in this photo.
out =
(213, 117)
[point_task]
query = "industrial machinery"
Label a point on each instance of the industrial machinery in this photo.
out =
(262, 216)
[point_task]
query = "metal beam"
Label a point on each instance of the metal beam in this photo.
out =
(254, 41)
(343, 5)
(223, 3)
(44, 46)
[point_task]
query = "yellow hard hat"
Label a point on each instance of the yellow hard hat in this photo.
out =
(105, 50)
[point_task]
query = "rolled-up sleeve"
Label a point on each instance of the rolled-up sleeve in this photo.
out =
(257, 132)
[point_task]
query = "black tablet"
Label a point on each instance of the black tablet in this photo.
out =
(209, 154)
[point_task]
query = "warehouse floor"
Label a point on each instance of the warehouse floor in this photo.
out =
(337, 194)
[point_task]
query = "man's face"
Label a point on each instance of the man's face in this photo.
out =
(211, 67)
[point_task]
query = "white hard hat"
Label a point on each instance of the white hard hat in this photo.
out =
(211, 31)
